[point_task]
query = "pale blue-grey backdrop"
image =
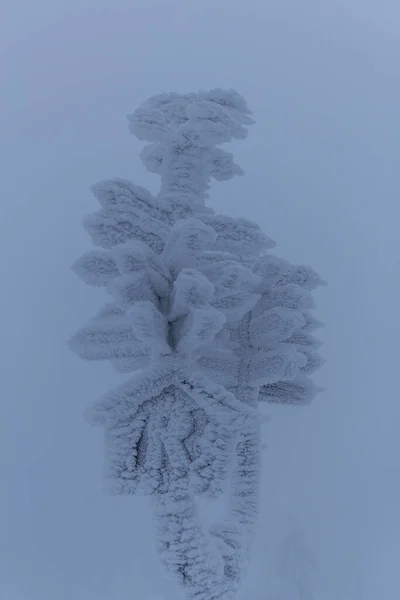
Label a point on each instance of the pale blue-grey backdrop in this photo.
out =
(322, 178)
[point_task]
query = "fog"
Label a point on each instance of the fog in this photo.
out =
(321, 178)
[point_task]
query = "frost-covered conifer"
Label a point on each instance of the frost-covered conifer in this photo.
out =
(296, 567)
(204, 322)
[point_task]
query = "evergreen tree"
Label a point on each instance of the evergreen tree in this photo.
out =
(297, 567)
(205, 322)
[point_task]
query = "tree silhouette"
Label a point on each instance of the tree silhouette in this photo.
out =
(205, 322)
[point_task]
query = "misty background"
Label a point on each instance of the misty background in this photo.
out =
(321, 178)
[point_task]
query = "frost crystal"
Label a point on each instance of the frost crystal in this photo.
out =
(206, 322)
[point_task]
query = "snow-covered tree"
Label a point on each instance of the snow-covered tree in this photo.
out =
(205, 322)
(296, 568)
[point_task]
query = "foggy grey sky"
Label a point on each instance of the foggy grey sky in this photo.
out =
(321, 177)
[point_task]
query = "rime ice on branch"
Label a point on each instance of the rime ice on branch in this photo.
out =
(206, 322)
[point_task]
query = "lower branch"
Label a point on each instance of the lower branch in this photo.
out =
(186, 550)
